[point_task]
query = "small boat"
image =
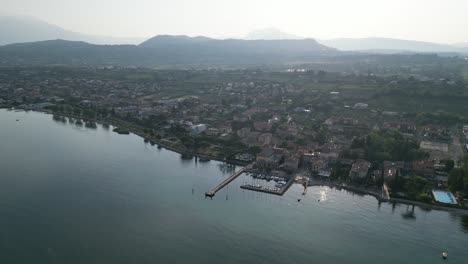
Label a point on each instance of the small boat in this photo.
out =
(17, 120)
(444, 255)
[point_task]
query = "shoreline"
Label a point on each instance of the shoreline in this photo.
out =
(351, 189)
(132, 128)
(379, 198)
(314, 182)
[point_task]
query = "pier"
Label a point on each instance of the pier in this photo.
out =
(213, 191)
(385, 193)
(305, 184)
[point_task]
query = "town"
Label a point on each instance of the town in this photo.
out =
(359, 130)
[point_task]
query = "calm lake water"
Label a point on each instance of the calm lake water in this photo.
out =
(69, 194)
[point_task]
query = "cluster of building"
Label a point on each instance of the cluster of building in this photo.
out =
(273, 117)
(465, 134)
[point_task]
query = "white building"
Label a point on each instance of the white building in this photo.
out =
(361, 106)
(197, 129)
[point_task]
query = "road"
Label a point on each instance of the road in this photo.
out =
(456, 149)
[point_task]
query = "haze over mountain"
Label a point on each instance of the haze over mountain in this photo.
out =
(270, 34)
(20, 29)
(388, 44)
(166, 50)
(374, 44)
(461, 45)
(293, 46)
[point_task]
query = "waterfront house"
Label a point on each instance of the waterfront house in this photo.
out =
(359, 170)
(269, 159)
(291, 164)
(423, 167)
(318, 164)
(391, 170)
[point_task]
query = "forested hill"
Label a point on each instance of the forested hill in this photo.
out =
(166, 50)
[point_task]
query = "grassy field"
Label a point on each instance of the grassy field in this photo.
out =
(414, 104)
(139, 76)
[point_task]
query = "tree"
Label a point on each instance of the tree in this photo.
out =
(456, 180)
(321, 136)
(321, 74)
(77, 111)
(88, 113)
(248, 102)
(449, 165)
(398, 183)
(415, 185)
(424, 197)
(391, 145)
(255, 149)
(204, 144)
(283, 144)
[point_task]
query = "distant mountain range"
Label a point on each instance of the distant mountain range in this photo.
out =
(38, 42)
(166, 50)
(20, 29)
(388, 45)
(291, 46)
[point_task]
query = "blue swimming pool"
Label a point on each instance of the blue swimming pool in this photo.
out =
(444, 197)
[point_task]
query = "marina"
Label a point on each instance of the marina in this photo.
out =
(277, 190)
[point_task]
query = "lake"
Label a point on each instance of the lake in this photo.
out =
(70, 194)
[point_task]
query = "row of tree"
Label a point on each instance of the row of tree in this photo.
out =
(458, 178)
(389, 145)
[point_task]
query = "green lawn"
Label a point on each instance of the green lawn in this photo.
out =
(415, 104)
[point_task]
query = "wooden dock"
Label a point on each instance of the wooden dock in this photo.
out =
(220, 186)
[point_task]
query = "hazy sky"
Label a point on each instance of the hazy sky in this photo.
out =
(444, 21)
